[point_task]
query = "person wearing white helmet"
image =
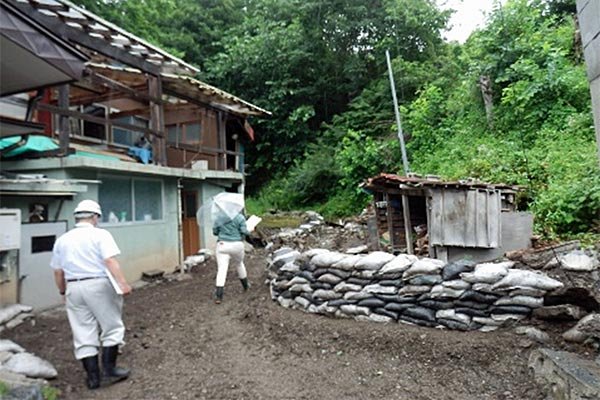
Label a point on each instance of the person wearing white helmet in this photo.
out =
(81, 260)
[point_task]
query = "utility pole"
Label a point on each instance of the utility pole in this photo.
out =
(405, 207)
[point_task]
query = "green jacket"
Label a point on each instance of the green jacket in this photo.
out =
(232, 231)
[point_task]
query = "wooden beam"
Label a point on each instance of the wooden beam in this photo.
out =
(120, 87)
(97, 120)
(64, 128)
(157, 119)
(78, 36)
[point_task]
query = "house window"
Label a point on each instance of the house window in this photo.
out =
(128, 137)
(189, 133)
(126, 200)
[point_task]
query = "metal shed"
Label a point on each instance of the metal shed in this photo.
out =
(448, 219)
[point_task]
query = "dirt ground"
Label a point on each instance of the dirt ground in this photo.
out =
(180, 345)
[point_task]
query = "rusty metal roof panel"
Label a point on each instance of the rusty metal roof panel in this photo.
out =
(415, 181)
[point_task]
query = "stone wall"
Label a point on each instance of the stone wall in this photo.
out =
(381, 287)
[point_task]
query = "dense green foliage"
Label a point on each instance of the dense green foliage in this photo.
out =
(320, 68)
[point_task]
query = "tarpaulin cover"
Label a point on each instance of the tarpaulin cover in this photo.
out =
(34, 143)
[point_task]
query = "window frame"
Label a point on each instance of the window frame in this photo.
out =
(132, 179)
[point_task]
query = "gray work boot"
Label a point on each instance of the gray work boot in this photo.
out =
(90, 364)
(112, 373)
(219, 295)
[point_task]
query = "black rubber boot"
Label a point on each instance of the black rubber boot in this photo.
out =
(112, 373)
(90, 364)
(219, 295)
(245, 283)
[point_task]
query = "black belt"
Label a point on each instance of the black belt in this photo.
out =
(84, 279)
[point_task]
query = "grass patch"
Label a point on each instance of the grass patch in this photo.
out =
(50, 393)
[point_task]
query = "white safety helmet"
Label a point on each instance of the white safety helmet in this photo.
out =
(88, 206)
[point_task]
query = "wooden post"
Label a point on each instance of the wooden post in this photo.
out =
(222, 157)
(64, 129)
(390, 219)
(157, 121)
(407, 224)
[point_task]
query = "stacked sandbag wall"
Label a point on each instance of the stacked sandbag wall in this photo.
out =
(382, 287)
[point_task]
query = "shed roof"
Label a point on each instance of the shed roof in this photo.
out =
(385, 180)
(190, 89)
(80, 26)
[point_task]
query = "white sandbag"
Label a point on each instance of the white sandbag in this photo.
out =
(9, 312)
(523, 279)
(365, 274)
(341, 314)
(532, 302)
(285, 303)
(578, 260)
(373, 317)
(487, 272)
(423, 266)
(409, 290)
(488, 321)
(328, 259)
(329, 278)
(298, 280)
(400, 263)
(301, 287)
(280, 285)
(441, 291)
(282, 251)
(506, 317)
(528, 292)
(457, 284)
(31, 366)
(453, 315)
(326, 294)
(312, 309)
(285, 257)
(4, 356)
(357, 295)
(348, 262)
(315, 252)
(326, 309)
(290, 267)
(376, 288)
(374, 261)
(488, 328)
(483, 287)
(343, 287)
(304, 303)
(355, 310)
(8, 345)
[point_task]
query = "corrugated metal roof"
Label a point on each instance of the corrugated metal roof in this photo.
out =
(197, 90)
(416, 181)
(70, 15)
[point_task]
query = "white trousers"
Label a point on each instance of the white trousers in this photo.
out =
(229, 252)
(94, 312)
